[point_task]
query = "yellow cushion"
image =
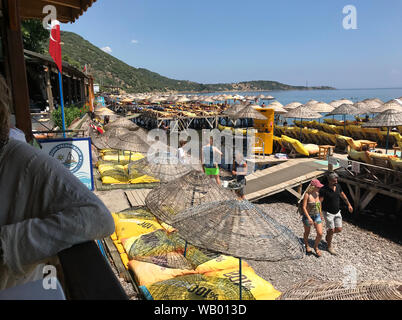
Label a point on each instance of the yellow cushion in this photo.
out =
(396, 163)
(297, 145)
(259, 288)
(358, 155)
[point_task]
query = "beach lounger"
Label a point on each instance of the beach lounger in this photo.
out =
(296, 148)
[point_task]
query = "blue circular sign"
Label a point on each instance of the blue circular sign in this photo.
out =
(69, 155)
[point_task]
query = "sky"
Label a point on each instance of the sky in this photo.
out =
(224, 41)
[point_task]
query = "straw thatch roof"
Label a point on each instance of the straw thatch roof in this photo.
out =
(240, 229)
(248, 112)
(344, 109)
(337, 103)
(233, 109)
(303, 112)
(387, 118)
(292, 105)
(361, 107)
(121, 123)
(392, 104)
(321, 290)
(192, 189)
(320, 107)
(277, 108)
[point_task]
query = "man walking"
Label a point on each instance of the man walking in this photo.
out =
(330, 196)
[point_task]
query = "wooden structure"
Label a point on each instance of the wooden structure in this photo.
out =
(283, 177)
(43, 81)
(365, 181)
(324, 151)
(12, 60)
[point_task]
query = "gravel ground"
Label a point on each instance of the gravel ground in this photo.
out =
(370, 256)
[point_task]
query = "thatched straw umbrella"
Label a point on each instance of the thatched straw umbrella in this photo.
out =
(337, 103)
(392, 104)
(323, 290)
(320, 107)
(292, 105)
(302, 112)
(268, 97)
(250, 113)
(121, 123)
(239, 229)
(344, 109)
(389, 118)
(192, 189)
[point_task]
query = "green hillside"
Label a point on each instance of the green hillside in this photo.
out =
(108, 70)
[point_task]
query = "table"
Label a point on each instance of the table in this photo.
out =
(323, 151)
(396, 149)
(370, 144)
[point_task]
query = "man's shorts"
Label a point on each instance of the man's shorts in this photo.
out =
(212, 171)
(333, 221)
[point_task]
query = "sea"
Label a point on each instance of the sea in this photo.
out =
(303, 96)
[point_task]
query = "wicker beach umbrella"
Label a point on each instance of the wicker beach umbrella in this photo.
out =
(163, 165)
(130, 142)
(389, 118)
(248, 112)
(320, 107)
(392, 104)
(239, 229)
(104, 112)
(121, 123)
(366, 290)
(209, 100)
(302, 112)
(192, 189)
(233, 109)
(337, 103)
(373, 103)
(277, 108)
(292, 105)
(268, 97)
(261, 96)
(344, 109)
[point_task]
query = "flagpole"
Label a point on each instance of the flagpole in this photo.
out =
(62, 104)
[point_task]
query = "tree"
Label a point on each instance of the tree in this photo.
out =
(35, 37)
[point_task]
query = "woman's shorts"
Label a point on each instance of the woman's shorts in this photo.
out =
(212, 171)
(316, 218)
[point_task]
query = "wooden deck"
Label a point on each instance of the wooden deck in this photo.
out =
(136, 198)
(284, 176)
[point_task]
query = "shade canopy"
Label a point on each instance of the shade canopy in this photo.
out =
(268, 97)
(192, 189)
(322, 290)
(292, 105)
(344, 109)
(248, 112)
(233, 109)
(240, 229)
(163, 166)
(388, 118)
(320, 107)
(277, 108)
(361, 107)
(302, 112)
(373, 103)
(337, 103)
(392, 104)
(130, 142)
(122, 123)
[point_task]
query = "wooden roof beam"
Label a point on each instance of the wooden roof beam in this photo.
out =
(75, 4)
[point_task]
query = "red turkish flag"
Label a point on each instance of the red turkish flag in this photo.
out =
(54, 44)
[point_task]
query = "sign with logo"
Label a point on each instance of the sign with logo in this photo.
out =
(75, 154)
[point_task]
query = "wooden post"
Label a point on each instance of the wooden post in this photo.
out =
(17, 68)
(330, 166)
(49, 88)
(69, 99)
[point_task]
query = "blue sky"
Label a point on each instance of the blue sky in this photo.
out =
(290, 41)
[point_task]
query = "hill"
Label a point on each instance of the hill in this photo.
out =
(109, 70)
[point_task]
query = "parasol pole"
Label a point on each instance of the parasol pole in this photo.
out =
(386, 144)
(240, 285)
(344, 125)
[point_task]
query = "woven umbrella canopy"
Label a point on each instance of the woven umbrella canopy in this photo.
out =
(192, 189)
(320, 107)
(121, 123)
(239, 229)
(277, 108)
(389, 118)
(337, 103)
(344, 109)
(292, 105)
(102, 141)
(233, 109)
(373, 103)
(302, 112)
(268, 97)
(104, 112)
(248, 112)
(392, 104)
(129, 142)
(367, 290)
(163, 165)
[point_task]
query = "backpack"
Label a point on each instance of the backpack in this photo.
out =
(300, 202)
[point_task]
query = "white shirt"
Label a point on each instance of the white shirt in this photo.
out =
(44, 209)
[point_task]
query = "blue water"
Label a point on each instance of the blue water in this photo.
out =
(327, 96)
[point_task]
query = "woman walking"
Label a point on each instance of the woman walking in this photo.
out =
(312, 214)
